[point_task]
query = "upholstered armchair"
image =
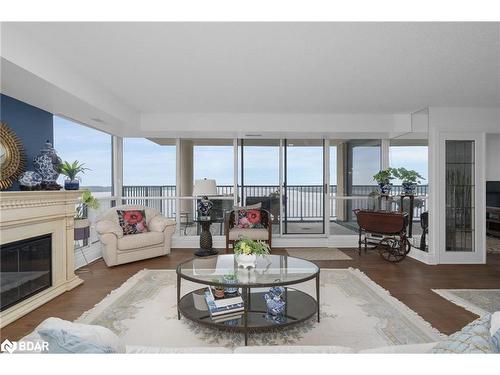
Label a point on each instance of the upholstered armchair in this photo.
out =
(119, 249)
(234, 234)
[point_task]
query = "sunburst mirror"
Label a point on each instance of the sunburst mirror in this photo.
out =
(12, 156)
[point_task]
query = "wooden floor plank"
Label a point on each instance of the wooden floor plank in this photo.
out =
(409, 281)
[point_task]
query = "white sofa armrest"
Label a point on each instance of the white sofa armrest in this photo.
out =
(159, 223)
(106, 226)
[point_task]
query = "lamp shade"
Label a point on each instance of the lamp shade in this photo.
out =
(204, 188)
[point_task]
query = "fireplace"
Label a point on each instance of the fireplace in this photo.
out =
(26, 269)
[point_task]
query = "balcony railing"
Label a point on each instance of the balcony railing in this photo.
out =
(303, 202)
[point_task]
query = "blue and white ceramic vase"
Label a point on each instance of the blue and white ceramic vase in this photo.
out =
(385, 188)
(71, 184)
(230, 279)
(275, 301)
(409, 188)
(30, 180)
(47, 165)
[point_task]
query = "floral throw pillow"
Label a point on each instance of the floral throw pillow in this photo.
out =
(132, 221)
(249, 219)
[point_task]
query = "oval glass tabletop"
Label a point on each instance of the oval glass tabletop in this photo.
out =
(270, 270)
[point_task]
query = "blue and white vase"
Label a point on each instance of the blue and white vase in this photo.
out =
(409, 188)
(47, 165)
(385, 188)
(71, 184)
(230, 279)
(275, 301)
(30, 180)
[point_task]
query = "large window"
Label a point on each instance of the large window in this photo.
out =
(92, 147)
(409, 154)
(149, 170)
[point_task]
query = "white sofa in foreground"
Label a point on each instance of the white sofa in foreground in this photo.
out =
(480, 336)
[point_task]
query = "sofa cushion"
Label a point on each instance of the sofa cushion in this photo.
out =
(292, 349)
(61, 341)
(132, 221)
(137, 241)
(94, 334)
(251, 234)
(473, 338)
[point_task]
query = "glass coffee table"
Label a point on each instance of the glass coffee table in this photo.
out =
(254, 283)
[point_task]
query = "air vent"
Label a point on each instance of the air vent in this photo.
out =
(95, 119)
(253, 135)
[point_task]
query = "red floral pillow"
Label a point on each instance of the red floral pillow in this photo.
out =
(132, 221)
(249, 219)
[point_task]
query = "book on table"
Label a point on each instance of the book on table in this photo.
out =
(223, 306)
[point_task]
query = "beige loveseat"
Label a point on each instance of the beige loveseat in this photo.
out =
(119, 249)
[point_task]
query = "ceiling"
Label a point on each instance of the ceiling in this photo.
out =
(280, 67)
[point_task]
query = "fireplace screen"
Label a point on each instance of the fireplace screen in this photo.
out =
(25, 269)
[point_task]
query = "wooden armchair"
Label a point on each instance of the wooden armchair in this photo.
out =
(233, 234)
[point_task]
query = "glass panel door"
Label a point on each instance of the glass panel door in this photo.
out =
(303, 187)
(259, 176)
(461, 206)
(460, 183)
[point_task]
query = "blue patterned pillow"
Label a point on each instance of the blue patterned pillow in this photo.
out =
(496, 340)
(473, 338)
(60, 341)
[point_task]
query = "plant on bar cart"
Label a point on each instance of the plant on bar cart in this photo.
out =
(409, 178)
(383, 179)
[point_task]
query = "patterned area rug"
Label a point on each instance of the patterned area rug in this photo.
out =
(355, 312)
(318, 253)
(477, 301)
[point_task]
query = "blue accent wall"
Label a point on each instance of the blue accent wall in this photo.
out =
(32, 125)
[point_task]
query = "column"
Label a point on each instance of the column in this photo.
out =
(186, 174)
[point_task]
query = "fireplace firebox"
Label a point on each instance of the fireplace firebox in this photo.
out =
(25, 269)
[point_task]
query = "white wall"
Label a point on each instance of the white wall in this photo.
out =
(493, 157)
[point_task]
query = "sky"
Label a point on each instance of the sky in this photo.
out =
(146, 163)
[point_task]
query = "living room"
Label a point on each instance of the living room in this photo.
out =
(250, 188)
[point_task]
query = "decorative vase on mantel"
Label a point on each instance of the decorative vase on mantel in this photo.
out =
(47, 165)
(71, 184)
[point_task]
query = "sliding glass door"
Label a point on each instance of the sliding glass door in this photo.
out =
(303, 186)
(259, 176)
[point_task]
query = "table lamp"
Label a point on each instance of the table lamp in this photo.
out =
(204, 188)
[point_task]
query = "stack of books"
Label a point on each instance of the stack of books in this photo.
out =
(224, 309)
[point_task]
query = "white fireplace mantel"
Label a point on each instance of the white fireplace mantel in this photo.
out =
(26, 214)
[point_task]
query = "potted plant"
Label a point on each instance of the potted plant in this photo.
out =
(409, 178)
(82, 223)
(71, 170)
(218, 290)
(247, 251)
(383, 179)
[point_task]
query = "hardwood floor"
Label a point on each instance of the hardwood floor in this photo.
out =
(409, 281)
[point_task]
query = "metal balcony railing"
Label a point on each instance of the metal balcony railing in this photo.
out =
(303, 202)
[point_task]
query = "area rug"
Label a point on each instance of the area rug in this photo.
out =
(318, 253)
(477, 301)
(355, 312)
